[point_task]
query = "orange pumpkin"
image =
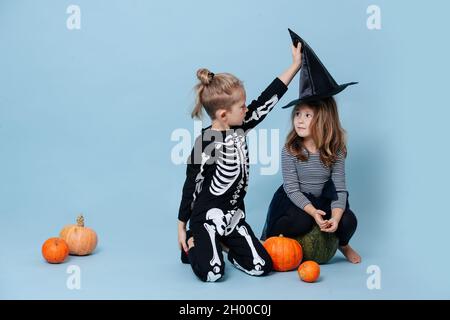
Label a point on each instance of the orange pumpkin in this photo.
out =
(286, 253)
(309, 271)
(80, 239)
(55, 250)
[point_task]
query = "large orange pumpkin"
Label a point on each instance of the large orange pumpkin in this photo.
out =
(55, 250)
(286, 253)
(80, 239)
(309, 271)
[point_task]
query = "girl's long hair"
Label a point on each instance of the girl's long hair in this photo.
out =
(326, 132)
(215, 91)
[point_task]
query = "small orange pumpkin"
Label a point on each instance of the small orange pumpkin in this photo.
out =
(286, 253)
(55, 250)
(309, 271)
(80, 239)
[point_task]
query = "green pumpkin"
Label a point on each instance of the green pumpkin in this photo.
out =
(318, 246)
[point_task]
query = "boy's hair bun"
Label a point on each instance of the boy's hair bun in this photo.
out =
(214, 92)
(205, 76)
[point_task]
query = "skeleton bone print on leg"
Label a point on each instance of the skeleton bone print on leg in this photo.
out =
(233, 160)
(215, 261)
(258, 262)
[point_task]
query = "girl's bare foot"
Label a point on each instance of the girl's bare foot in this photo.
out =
(350, 254)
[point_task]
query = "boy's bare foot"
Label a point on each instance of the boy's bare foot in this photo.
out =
(350, 254)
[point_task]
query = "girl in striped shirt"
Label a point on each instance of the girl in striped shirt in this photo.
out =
(313, 189)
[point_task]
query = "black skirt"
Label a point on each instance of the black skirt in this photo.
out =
(281, 203)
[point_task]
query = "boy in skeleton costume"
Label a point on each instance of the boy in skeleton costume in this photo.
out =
(217, 176)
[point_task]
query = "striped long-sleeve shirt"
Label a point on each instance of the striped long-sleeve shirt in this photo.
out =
(310, 176)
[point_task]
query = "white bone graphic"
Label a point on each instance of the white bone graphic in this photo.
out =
(264, 109)
(199, 179)
(234, 160)
(212, 277)
(252, 272)
(211, 231)
(218, 218)
(234, 220)
(224, 223)
(256, 258)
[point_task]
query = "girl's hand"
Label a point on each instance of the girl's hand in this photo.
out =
(323, 224)
(333, 225)
(182, 236)
(297, 55)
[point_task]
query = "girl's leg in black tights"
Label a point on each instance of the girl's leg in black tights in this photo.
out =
(346, 228)
(294, 223)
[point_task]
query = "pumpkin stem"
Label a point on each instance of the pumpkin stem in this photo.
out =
(80, 221)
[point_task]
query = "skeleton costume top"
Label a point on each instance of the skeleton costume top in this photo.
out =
(218, 167)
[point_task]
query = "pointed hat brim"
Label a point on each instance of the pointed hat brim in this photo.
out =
(320, 96)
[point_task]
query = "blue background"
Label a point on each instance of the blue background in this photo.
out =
(86, 118)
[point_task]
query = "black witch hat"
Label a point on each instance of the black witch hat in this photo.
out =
(315, 81)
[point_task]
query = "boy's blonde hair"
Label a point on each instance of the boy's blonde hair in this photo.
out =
(215, 91)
